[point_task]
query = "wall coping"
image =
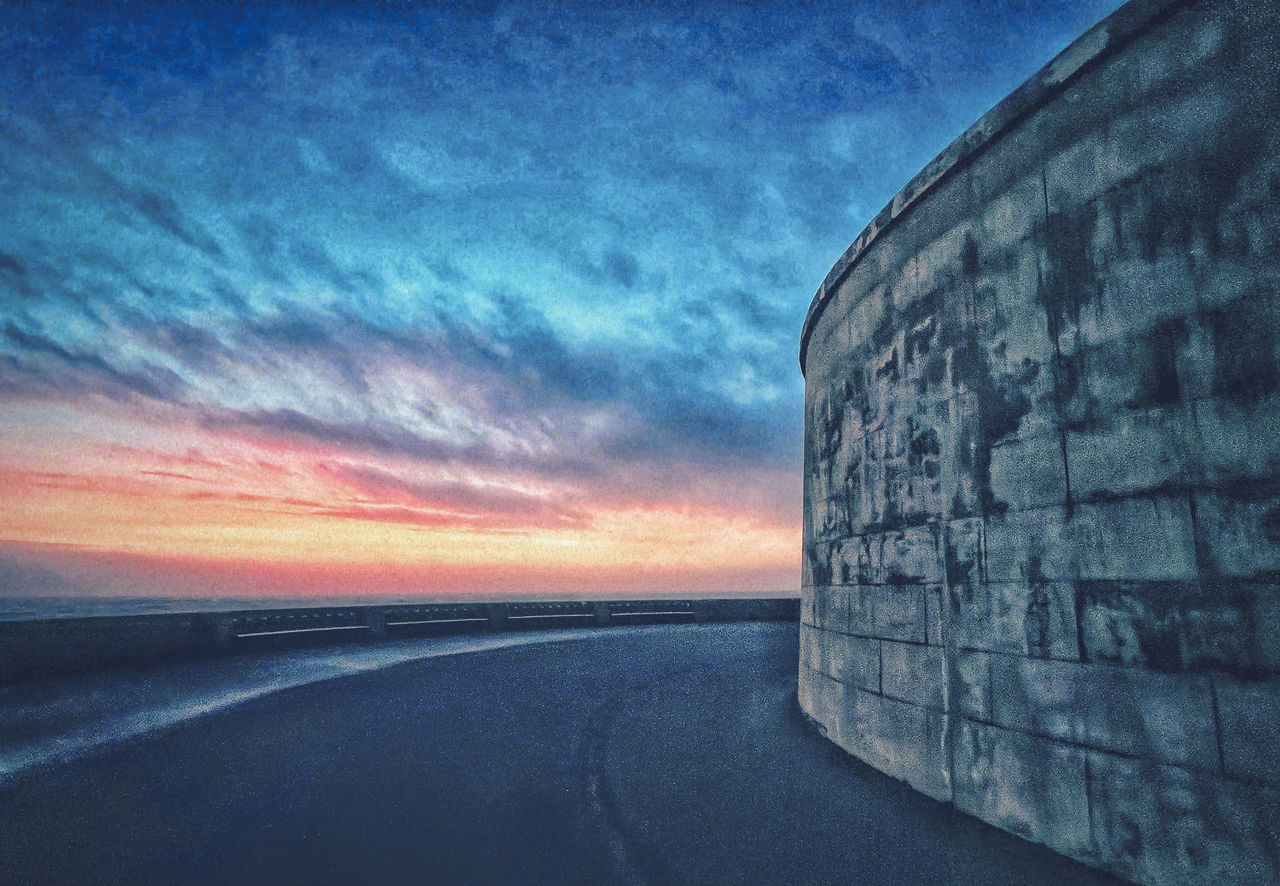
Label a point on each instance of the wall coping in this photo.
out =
(1096, 44)
(40, 647)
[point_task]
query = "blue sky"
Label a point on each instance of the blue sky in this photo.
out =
(500, 269)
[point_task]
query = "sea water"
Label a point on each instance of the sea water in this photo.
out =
(27, 608)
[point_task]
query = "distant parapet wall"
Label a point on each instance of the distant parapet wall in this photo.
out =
(1042, 459)
(33, 649)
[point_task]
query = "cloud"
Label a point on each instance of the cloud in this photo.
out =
(10, 266)
(476, 499)
(513, 373)
(622, 267)
(471, 249)
(25, 579)
(81, 372)
(163, 212)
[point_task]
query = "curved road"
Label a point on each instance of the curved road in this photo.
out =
(672, 755)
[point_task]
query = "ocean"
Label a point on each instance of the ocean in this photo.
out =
(26, 608)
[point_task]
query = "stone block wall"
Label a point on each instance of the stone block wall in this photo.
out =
(1042, 459)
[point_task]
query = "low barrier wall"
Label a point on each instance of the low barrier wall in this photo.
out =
(41, 647)
(1042, 459)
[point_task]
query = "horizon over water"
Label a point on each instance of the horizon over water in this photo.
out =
(23, 608)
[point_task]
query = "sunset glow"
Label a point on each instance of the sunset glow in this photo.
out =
(383, 298)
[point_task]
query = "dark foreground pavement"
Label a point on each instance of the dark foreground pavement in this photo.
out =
(674, 755)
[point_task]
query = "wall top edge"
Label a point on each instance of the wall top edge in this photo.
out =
(1094, 45)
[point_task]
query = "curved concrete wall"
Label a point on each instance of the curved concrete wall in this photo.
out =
(1042, 459)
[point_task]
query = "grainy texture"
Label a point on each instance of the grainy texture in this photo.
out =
(1042, 459)
(671, 755)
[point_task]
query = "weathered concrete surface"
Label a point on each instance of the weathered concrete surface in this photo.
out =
(666, 755)
(1042, 458)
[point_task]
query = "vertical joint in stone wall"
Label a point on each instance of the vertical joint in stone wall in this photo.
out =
(1055, 333)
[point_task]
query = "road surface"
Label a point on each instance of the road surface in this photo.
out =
(674, 754)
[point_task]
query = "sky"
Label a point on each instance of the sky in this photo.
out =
(317, 298)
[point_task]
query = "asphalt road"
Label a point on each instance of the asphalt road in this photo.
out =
(676, 755)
